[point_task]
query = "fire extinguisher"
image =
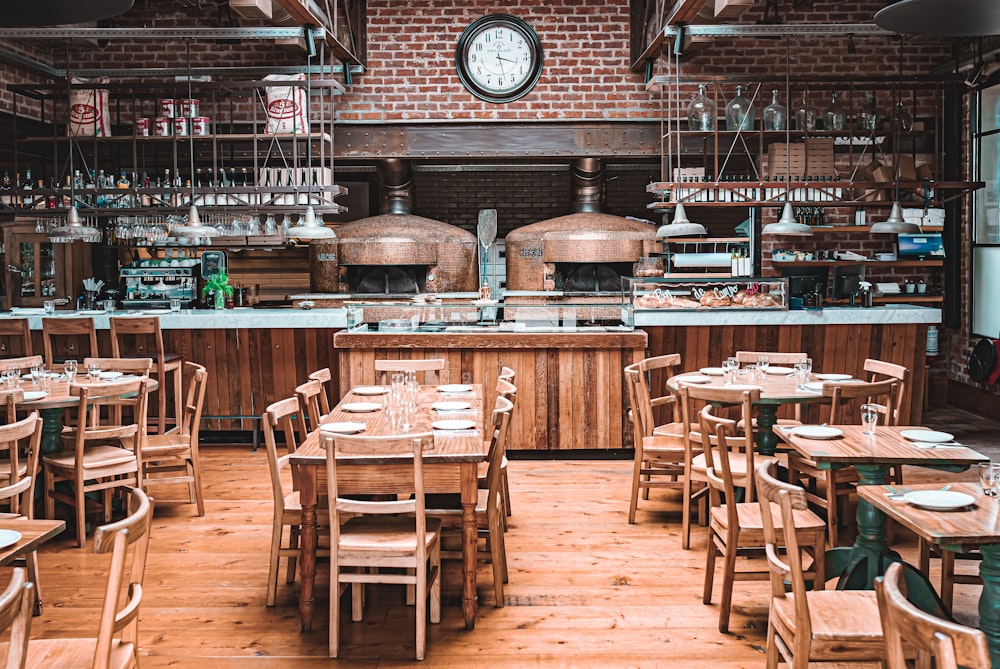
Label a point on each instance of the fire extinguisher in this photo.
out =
(932, 343)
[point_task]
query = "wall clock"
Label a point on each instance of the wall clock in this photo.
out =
(499, 58)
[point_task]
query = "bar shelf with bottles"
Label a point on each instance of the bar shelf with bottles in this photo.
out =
(239, 167)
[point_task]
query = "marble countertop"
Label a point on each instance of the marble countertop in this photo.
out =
(337, 318)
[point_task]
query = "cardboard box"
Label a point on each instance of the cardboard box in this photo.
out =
(730, 9)
(813, 158)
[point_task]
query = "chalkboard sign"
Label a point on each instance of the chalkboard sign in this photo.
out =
(213, 262)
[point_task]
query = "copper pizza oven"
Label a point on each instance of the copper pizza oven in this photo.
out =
(403, 254)
(585, 253)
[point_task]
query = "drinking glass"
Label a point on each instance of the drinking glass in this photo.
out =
(987, 478)
(729, 367)
(392, 408)
(762, 364)
(49, 306)
(175, 305)
(869, 418)
(36, 374)
(70, 367)
(94, 370)
(397, 379)
(801, 374)
(10, 378)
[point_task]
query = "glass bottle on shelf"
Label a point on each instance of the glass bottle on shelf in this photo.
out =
(868, 115)
(835, 116)
(701, 111)
(775, 114)
(739, 113)
(805, 118)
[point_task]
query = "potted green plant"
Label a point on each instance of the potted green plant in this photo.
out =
(218, 285)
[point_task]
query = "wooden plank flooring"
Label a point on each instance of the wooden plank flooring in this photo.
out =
(586, 589)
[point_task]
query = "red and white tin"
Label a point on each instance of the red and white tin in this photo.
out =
(188, 108)
(168, 107)
(163, 127)
(142, 127)
(181, 126)
(199, 125)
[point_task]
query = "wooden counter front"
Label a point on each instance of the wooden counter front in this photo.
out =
(570, 391)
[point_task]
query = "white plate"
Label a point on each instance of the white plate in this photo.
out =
(816, 432)
(939, 500)
(360, 407)
(32, 395)
(451, 406)
(779, 370)
(91, 312)
(156, 311)
(694, 378)
(9, 538)
(712, 371)
(929, 436)
(111, 375)
(814, 385)
(342, 428)
(370, 390)
(453, 424)
(455, 388)
(833, 377)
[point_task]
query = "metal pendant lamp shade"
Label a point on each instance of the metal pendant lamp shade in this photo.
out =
(310, 227)
(787, 225)
(60, 12)
(681, 226)
(75, 230)
(895, 223)
(193, 227)
(941, 18)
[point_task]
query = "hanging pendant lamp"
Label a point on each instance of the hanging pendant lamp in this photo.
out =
(895, 223)
(193, 227)
(75, 230)
(309, 227)
(787, 225)
(60, 12)
(941, 18)
(681, 226)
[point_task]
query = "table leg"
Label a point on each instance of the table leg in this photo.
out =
(470, 494)
(989, 600)
(767, 418)
(307, 546)
(52, 422)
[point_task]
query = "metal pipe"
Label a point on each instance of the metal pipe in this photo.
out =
(587, 185)
(395, 178)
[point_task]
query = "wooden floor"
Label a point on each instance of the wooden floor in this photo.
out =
(586, 588)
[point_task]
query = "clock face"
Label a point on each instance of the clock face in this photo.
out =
(499, 58)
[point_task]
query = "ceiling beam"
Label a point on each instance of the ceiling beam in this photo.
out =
(309, 13)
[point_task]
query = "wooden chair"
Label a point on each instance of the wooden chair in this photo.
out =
(885, 371)
(15, 337)
(949, 643)
(9, 398)
(100, 458)
(659, 460)
(507, 374)
(310, 396)
(21, 442)
(432, 370)
(325, 378)
(838, 484)
(116, 645)
(140, 336)
(804, 626)
(129, 366)
(280, 417)
(489, 508)
(172, 457)
(949, 573)
(68, 338)
(391, 534)
(736, 529)
(24, 364)
(507, 390)
(15, 613)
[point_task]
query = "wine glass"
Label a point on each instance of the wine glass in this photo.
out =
(801, 374)
(70, 367)
(762, 364)
(94, 370)
(729, 367)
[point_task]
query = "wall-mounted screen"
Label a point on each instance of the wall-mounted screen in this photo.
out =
(924, 245)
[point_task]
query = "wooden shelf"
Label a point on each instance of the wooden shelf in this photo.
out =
(221, 137)
(872, 263)
(902, 298)
(843, 229)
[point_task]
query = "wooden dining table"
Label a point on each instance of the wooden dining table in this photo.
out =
(776, 390)
(33, 533)
(872, 457)
(451, 466)
(52, 406)
(975, 526)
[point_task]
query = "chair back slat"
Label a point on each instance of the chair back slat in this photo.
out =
(433, 370)
(16, 605)
(20, 487)
(951, 645)
(310, 413)
(15, 337)
(74, 335)
(879, 370)
(844, 396)
(325, 378)
(776, 358)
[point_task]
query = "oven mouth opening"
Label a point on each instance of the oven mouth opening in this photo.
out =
(388, 280)
(591, 278)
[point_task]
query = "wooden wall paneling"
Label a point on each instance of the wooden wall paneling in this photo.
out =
(238, 377)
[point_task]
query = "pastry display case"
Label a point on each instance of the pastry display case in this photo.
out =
(707, 294)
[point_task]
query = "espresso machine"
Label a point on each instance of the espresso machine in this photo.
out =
(151, 284)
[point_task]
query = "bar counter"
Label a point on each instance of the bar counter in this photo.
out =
(569, 382)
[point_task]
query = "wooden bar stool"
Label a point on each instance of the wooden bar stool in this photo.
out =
(66, 338)
(15, 338)
(141, 337)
